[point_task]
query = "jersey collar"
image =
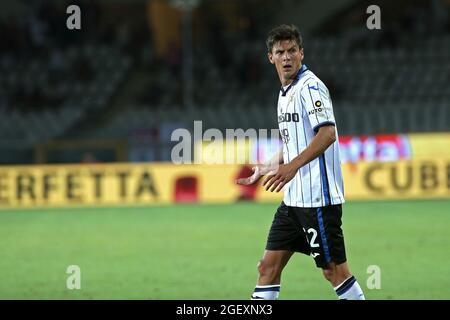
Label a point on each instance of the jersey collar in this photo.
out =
(297, 77)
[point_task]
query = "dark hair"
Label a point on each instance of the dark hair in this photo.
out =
(283, 32)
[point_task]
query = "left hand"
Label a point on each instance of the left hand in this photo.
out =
(283, 175)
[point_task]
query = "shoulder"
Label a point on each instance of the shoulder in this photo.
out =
(313, 82)
(310, 79)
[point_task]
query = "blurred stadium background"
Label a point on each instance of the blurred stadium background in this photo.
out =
(86, 176)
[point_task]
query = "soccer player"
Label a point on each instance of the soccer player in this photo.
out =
(308, 168)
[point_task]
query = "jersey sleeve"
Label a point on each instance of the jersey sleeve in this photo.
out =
(316, 100)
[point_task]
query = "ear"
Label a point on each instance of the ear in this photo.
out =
(302, 54)
(270, 56)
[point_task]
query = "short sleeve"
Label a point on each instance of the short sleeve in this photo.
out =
(317, 103)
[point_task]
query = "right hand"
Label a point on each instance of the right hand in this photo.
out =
(258, 172)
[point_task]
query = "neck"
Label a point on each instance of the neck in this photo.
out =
(288, 81)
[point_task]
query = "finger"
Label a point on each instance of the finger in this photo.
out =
(267, 180)
(256, 173)
(249, 180)
(276, 184)
(270, 182)
(244, 181)
(282, 184)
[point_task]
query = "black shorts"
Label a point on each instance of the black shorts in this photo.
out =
(313, 231)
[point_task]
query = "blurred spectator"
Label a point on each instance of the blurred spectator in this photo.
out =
(88, 78)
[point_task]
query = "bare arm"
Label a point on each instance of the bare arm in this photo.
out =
(323, 139)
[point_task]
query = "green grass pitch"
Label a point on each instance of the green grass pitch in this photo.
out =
(211, 252)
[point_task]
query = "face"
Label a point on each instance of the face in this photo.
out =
(287, 58)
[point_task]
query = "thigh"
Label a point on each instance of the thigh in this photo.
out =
(286, 233)
(276, 258)
(322, 227)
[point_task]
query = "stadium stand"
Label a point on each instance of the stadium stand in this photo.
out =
(109, 83)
